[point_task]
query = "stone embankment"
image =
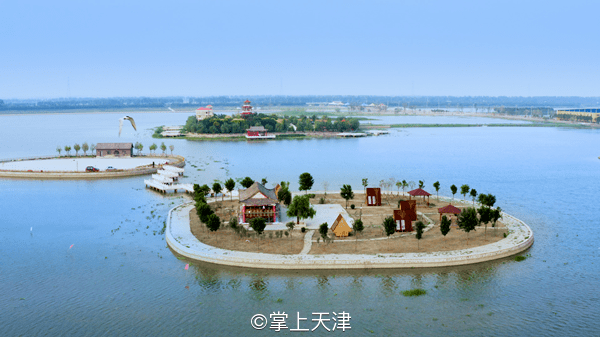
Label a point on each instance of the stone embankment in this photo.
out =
(182, 241)
(178, 161)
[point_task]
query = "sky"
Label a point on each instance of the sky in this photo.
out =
(52, 49)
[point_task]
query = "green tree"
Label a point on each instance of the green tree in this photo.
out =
(306, 182)
(153, 147)
(389, 226)
(301, 208)
(203, 210)
(216, 187)
(258, 225)
(436, 185)
(323, 228)
(68, 150)
(358, 227)
(485, 216)
(365, 183)
(346, 193)
(419, 227)
(163, 147)
(445, 226)
(467, 220)
(230, 185)
(421, 183)
(404, 185)
(58, 149)
(213, 223)
(76, 147)
(454, 189)
(247, 182)
(92, 148)
(264, 181)
(284, 196)
(140, 149)
(473, 195)
(496, 215)
(464, 189)
(171, 147)
(85, 147)
(398, 185)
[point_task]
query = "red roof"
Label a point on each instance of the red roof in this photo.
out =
(247, 101)
(418, 191)
(449, 209)
(204, 109)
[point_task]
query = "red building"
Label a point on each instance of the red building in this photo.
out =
(259, 202)
(246, 108)
(405, 215)
(258, 132)
(373, 196)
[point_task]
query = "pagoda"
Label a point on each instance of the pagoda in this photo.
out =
(246, 108)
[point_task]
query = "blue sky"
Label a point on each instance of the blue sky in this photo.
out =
(193, 48)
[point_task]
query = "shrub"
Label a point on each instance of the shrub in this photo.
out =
(519, 258)
(233, 222)
(311, 195)
(352, 206)
(414, 292)
(303, 229)
(322, 200)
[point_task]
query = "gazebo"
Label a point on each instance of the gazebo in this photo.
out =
(420, 192)
(448, 209)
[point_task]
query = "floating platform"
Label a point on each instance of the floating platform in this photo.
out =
(351, 134)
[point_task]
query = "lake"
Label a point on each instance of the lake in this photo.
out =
(119, 278)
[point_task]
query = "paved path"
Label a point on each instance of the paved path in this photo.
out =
(180, 239)
(307, 242)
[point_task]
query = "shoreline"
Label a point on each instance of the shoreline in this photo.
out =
(180, 239)
(175, 160)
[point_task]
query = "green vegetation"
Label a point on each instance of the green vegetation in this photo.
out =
(247, 182)
(436, 185)
(389, 226)
(445, 226)
(346, 193)
(419, 226)
(467, 220)
(520, 258)
(221, 124)
(453, 189)
(230, 185)
(323, 228)
(300, 208)
(464, 189)
(306, 182)
(414, 292)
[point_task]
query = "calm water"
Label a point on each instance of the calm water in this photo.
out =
(120, 279)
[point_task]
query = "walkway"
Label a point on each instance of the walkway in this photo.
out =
(307, 242)
(181, 240)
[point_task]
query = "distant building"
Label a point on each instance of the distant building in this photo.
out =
(203, 113)
(246, 108)
(114, 149)
(259, 202)
(258, 132)
(589, 115)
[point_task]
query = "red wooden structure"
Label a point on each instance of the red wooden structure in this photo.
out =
(448, 209)
(259, 202)
(403, 221)
(420, 192)
(246, 108)
(373, 196)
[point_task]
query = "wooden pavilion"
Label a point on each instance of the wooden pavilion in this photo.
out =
(259, 202)
(420, 192)
(448, 209)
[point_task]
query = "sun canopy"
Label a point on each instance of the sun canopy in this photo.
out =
(449, 209)
(419, 192)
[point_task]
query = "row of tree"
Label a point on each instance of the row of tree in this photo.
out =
(85, 147)
(221, 124)
(139, 147)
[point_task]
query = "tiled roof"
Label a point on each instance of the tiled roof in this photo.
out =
(251, 191)
(114, 146)
(418, 192)
(449, 209)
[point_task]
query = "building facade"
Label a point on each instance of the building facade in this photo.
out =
(589, 115)
(257, 201)
(114, 149)
(204, 113)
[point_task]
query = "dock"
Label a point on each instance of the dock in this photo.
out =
(165, 181)
(351, 134)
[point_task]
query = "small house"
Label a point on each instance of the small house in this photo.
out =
(258, 132)
(341, 227)
(373, 196)
(403, 220)
(114, 149)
